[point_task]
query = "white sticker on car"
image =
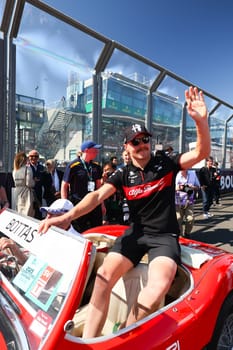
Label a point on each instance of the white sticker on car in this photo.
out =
(174, 346)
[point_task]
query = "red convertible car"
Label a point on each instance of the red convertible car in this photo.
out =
(44, 301)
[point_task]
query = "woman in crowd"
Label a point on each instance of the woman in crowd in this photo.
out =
(24, 184)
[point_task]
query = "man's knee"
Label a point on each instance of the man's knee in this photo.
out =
(104, 279)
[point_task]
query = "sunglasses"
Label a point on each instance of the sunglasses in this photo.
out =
(33, 156)
(138, 140)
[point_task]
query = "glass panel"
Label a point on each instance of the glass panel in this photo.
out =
(54, 101)
(123, 102)
(217, 129)
(131, 68)
(53, 72)
(166, 119)
(173, 88)
(124, 99)
(2, 6)
(229, 145)
(211, 104)
(167, 113)
(221, 114)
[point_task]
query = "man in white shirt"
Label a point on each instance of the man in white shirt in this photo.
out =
(187, 184)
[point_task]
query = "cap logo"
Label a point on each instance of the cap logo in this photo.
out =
(136, 128)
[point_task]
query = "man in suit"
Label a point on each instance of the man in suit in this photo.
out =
(56, 176)
(207, 181)
(38, 171)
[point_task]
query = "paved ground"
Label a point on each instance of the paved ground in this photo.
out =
(217, 230)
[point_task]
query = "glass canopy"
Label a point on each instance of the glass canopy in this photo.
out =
(63, 83)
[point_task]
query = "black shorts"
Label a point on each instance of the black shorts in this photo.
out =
(134, 245)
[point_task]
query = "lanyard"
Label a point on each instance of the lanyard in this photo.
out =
(89, 171)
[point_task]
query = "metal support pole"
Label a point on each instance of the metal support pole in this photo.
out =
(97, 110)
(225, 141)
(149, 112)
(183, 129)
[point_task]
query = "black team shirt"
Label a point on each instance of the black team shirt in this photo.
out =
(150, 193)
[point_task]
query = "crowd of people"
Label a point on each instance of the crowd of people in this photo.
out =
(38, 184)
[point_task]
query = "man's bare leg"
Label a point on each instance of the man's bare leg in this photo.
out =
(114, 266)
(161, 274)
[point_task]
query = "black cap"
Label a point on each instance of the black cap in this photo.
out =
(134, 130)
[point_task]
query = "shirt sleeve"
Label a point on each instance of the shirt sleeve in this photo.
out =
(66, 176)
(116, 179)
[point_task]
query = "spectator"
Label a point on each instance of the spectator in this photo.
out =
(4, 203)
(149, 186)
(24, 185)
(217, 185)
(169, 150)
(125, 208)
(56, 177)
(82, 176)
(126, 159)
(42, 181)
(57, 208)
(187, 184)
(113, 204)
(114, 162)
(206, 178)
(108, 170)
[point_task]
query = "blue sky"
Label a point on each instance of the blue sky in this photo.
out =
(193, 39)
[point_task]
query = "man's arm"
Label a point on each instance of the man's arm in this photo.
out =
(65, 189)
(197, 109)
(87, 204)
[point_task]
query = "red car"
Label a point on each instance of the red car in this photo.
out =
(44, 301)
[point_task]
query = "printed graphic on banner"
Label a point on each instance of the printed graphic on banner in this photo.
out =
(44, 288)
(41, 323)
(38, 281)
(29, 272)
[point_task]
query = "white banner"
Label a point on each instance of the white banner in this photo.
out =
(58, 248)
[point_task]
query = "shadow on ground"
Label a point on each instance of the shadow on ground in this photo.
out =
(217, 230)
(216, 236)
